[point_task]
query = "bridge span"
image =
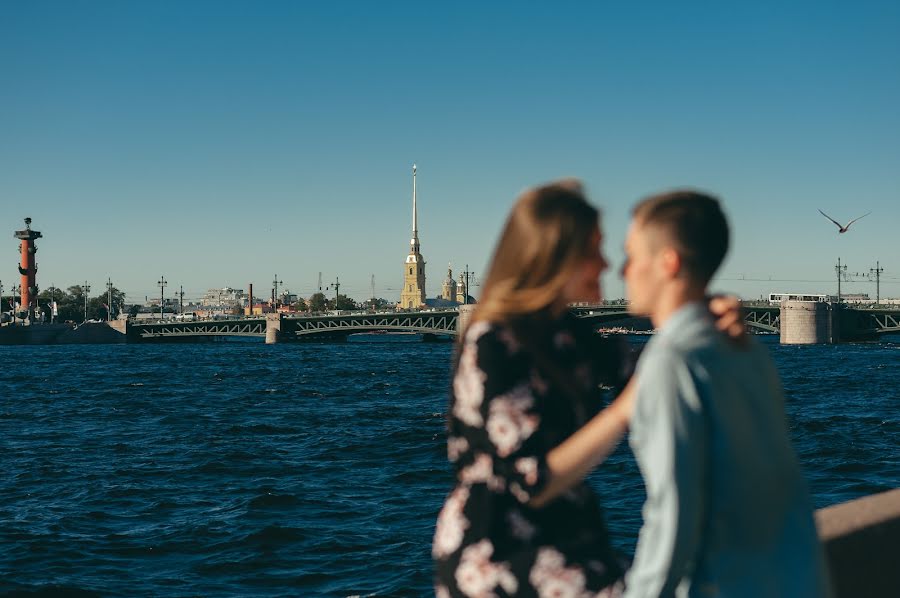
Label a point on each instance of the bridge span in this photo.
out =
(441, 323)
(856, 324)
(437, 323)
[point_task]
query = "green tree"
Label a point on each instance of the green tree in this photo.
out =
(300, 305)
(317, 302)
(345, 303)
(97, 306)
(64, 303)
(381, 303)
(73, 305)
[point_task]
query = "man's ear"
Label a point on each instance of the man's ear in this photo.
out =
(671, 262)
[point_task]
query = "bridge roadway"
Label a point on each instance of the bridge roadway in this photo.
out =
(763, 317)
(436, 322)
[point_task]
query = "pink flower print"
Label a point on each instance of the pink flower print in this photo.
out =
(516, 490)
(520, 527)
(509, 340)
(528, 467)
(451, 524)
(476, 331)
(468, 388)
(552, 579)
(538, 383)
(456, 446)
(477, 576)
(481, 471)
(616, 590)
(509, 424)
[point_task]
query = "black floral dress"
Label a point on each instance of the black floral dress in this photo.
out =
(509, 406)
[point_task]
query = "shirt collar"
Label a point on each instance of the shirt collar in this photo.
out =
(683, 317)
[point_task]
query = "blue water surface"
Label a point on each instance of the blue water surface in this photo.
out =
(239, 468)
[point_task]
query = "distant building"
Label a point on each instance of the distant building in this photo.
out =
(225, 298)
(448, 288)
(288, 298)
(258, 309)
(412, 296)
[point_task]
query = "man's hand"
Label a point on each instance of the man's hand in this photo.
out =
(729, 317)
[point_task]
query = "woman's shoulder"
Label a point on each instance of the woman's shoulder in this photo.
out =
(492, 336)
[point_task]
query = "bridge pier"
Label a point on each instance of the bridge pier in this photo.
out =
(273, 328)
(465, 316)
(810, 323)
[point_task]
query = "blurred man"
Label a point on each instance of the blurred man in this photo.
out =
(727, 510)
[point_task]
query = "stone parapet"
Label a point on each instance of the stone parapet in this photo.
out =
(861, 539)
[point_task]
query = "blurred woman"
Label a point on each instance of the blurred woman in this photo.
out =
(525, 418)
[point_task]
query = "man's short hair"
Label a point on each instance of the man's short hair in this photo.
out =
(695, 225)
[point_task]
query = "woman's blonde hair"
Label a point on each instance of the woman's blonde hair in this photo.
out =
(543, 242)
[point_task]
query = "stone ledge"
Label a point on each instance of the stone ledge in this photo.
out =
(861, 539)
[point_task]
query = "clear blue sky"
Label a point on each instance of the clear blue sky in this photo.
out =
(220, 143)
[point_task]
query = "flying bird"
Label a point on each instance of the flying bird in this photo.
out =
(841, 227)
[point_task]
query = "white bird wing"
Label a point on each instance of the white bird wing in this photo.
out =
(839, 225)
(857, 218)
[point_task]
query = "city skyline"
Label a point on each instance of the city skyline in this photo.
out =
(218, 144)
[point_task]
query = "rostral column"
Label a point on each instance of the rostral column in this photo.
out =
(28, 268)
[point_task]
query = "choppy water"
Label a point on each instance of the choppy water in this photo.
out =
(314, 469)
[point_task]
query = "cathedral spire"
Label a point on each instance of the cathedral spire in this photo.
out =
(413, 294)
(415, 228)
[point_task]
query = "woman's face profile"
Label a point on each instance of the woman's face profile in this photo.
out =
(584, 286)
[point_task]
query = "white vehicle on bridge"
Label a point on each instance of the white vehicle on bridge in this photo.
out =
(777, 298)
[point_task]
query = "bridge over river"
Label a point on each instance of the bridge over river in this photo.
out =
(856, 323)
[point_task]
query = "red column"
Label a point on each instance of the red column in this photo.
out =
(28, 266)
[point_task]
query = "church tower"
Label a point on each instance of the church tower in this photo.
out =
(413, 294)
(448, 289)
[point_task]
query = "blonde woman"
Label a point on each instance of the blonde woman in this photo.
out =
(525, 419)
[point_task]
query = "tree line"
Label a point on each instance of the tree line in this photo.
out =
(318, 302)
(70, 303)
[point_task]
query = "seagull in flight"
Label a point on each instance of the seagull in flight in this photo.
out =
(843, 228)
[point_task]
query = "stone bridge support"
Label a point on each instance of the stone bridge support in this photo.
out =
(809, 323)
(465, 315)
(274, 323)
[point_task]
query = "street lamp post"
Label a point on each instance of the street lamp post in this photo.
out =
(162, 294)
(16, 291)
(52, 290)
(84, 291)
(275, 284)
(336, 285)
(877, 270)
(109, 287)
(466, 294)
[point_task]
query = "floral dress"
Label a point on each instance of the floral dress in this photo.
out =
(508, 408)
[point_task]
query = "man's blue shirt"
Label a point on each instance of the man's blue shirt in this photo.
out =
(727, 511)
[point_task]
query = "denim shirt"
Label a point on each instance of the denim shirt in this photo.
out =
(727, 510)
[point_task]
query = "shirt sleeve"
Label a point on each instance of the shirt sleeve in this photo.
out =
(670, 439)
(494, 418)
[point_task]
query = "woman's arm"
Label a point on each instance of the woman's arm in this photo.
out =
(570, 461)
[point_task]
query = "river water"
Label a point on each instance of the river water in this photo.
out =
(239, 468)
